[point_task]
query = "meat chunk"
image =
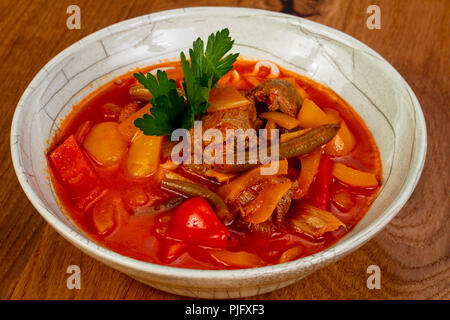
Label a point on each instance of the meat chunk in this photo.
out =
(276, 94)
(279, 214)
(238, 118)
(267, 228)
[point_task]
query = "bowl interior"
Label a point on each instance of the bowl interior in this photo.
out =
(355, 72)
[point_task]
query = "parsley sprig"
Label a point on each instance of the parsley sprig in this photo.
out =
(170, 110)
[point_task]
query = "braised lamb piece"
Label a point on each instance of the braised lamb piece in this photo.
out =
(276, 94)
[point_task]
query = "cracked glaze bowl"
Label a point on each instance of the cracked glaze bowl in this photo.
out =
(357, 73)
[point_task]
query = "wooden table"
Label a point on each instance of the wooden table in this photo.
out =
(412, 251)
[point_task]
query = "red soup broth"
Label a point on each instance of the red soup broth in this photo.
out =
(138, 236)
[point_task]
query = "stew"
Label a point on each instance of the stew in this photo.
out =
(113, 173)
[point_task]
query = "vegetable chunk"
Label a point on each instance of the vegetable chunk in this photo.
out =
(281, 119)
(240, 259)
(260, 209)
(353, 177)
(143, 157)
(314, 221)
(106, 213)
(225, 98)
(75, 172)
(310, 165)
(311, 116)
(194, 222)
(342, 143)
(127, 127)
(229, 192)
(105, 144)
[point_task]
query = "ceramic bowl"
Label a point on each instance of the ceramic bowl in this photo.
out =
(357, 73)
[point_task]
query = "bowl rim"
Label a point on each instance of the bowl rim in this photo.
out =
(342, 247)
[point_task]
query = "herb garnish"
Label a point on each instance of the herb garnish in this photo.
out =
(170, 110)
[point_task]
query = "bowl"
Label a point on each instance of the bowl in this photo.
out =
(354, 71)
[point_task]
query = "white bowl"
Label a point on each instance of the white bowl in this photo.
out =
(357, 73)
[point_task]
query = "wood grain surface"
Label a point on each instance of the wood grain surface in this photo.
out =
(412, 251)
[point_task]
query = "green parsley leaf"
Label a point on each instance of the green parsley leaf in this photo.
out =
(169, 110)
(167, 106)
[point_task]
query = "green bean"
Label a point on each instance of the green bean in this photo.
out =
(308, 142)
(164, 207)
(189, 189)
(289, 149)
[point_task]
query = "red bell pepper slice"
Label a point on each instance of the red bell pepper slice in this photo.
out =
(195, 222)
(322, 184)
(74, 171)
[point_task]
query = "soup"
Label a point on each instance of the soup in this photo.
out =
(113, 168)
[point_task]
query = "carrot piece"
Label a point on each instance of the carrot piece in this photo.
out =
(238, 259)
(311, 116)
(342, 144)
(302, 92)
(225, 98)
(281, 119)
(262, 207)
(291, 135)
(144, 155)
(127, 127)
(232, 190)
(105, 144)
(353, 177)
(291, 254)
(75, 172)
(333, 114)
(322, 184)
(270, 125)
(343, 200)
(219, 176)
(314, 221)
(310, 165)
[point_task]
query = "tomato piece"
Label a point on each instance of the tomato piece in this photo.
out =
(195, 222)
(76, 173)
